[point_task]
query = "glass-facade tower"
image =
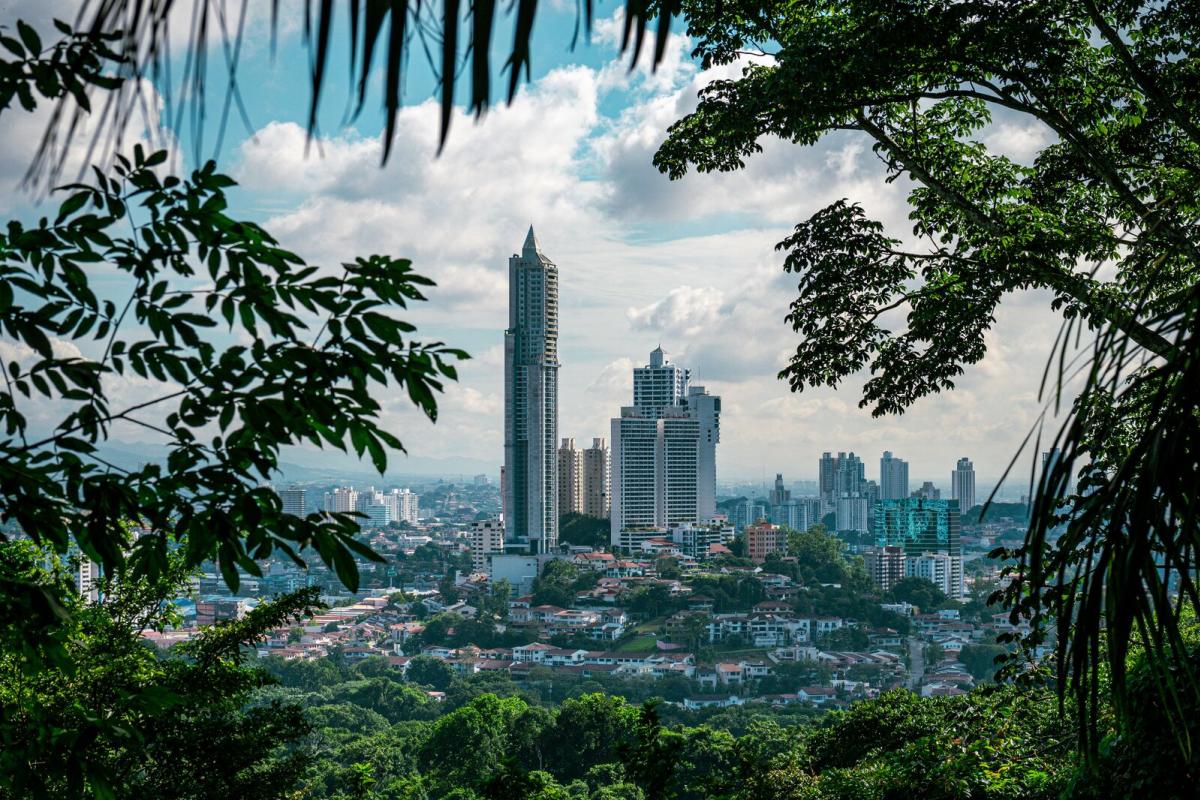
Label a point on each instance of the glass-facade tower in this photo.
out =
(919, 526)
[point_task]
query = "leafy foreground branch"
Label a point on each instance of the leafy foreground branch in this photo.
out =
(220, 345)
(114, 718)
(304, 357)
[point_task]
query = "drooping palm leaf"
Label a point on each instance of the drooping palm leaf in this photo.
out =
(142, 58)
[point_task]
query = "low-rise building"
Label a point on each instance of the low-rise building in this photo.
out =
(763, 539)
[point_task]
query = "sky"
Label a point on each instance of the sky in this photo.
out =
(643, 261)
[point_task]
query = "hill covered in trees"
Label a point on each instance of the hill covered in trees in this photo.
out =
(486, 737)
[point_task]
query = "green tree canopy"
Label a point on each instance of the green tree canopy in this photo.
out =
(1104, 218)
(556, 586)
(580, 529)
(432, 672)
(107, 715)
(465, 745)
(980, 659)
(922, 593)
(587, 732)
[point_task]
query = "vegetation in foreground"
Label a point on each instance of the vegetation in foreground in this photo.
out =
(207, 720)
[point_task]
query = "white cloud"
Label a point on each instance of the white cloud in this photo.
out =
(22, 133)
(615, 379)
(1020, 140)
(629, 278)
(685, 311)
(472, 401)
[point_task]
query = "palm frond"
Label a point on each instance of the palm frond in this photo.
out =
(143, 61)
(1111, 563)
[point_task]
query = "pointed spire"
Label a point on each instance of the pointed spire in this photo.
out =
(532, 245)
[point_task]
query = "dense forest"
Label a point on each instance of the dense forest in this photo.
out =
(486, 737)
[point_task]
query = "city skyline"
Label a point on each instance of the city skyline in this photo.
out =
(710, 290)
(830, 273)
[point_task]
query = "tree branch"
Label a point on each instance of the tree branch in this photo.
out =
(1143, 79)
(1049, 274)
(110, 418)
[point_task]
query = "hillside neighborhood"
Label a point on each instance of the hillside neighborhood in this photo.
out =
(805, 626)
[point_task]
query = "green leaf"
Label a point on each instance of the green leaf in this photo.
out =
(29, 36)
(363, 550)
(71, 205)
(345, 567)
(13, 46)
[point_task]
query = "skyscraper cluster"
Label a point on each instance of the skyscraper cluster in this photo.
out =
(916, 534)
(797, 513)
(657, 471)
(845, 491)
(379, 508)
(664, 447)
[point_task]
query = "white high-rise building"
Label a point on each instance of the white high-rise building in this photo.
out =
(941, 569)
(799, 513)
(663, 453)
(87, 579)
(531, 400)
(893, 477)
(402, 505)
(885, 565)
(597, 470)
(962, 486)
(695, 539)
(343, 499)
(660, 384)
(853, 514)
(705, 408)
(570, 478)
(635, 473)
(487, 538)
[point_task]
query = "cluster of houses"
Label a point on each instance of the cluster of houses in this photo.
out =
(736, 650)
(601, 624)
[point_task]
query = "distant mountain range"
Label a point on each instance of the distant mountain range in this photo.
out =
(306, 465)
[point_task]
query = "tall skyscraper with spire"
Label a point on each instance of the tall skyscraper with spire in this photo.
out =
(531, 400)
